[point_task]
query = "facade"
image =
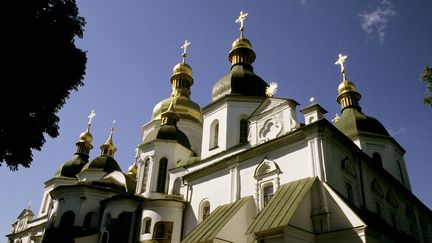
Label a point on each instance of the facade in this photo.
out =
(241, 169)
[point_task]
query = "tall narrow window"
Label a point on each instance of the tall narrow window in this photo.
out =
(160, 187)
(87, 220)
(243, 131)
(350, 194)
(145, 173)
(205, 209)
(377, 158)
(214, 134)
(267, 194)
(146, 225)
(400, 172)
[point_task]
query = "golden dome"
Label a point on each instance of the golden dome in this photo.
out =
(132, 171)
(346, 86)
(182, 68)
(86, 137)
(241, 43)
(184, 107)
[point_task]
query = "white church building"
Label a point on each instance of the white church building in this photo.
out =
(241, 169)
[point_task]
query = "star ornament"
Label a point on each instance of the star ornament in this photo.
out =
(271, 89)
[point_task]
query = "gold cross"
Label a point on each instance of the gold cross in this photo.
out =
(241, 20)
(91, 116)
(184, 47)
(340, 61)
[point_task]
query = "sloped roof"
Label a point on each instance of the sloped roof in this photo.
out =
(213, 224)
(280, 209)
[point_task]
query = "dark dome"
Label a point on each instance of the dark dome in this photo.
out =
(241, 80)
(168, 132)
(103, 162)
(72, 167)
(353, 122)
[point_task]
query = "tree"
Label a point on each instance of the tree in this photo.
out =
(427, 78)
(41, 66)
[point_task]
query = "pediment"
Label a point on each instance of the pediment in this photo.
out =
(269, 104)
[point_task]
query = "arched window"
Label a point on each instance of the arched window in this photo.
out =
(160, 187)
(67, 220)
(159, 231)
(267, 193)
(87, 220)
(377, 158)
(145, 174)
(214, 134)
(177, 186)
(243, 131)
(146, 225)
(206, 209)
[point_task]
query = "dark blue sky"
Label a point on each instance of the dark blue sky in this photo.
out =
(132, 47)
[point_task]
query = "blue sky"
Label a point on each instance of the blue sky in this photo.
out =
(132, 48)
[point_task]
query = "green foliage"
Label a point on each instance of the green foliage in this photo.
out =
(427, 78)
(41, 66)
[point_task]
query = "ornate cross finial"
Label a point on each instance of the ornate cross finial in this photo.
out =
(184, 47)
(337, 118)
(91, 116)
(241, 20)
(340, 61)
(113, 126)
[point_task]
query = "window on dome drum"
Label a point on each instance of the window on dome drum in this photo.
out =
(243, 131)
(146, 225)
(87, 220)
(67, 220)
(160, 187)
(377, 157)
(267, 194)
(145, 173)
(176, 186)
(350, 193)
(214, 134)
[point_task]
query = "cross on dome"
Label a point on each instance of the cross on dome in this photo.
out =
(184, 47)
(91, 116)
(340, 61)
(241, 20)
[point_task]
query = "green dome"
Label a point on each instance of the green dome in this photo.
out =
(352, 122)
(103, 162)
(168, 132)
(241, 80)
(72, 167)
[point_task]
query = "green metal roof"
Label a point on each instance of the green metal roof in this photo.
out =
(213, 224)
(280, 209)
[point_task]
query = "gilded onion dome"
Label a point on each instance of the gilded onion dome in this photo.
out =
(353, 121)
(240, 80)
(181, 82)
(132, 170)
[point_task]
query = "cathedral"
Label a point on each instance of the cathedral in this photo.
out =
(241, 169)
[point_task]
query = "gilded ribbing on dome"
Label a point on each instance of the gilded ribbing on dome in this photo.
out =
(169, 117)
(347, 92)
(108, 147)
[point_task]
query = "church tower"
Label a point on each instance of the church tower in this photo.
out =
(234, 97)
(188, 111)
(367, 132)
